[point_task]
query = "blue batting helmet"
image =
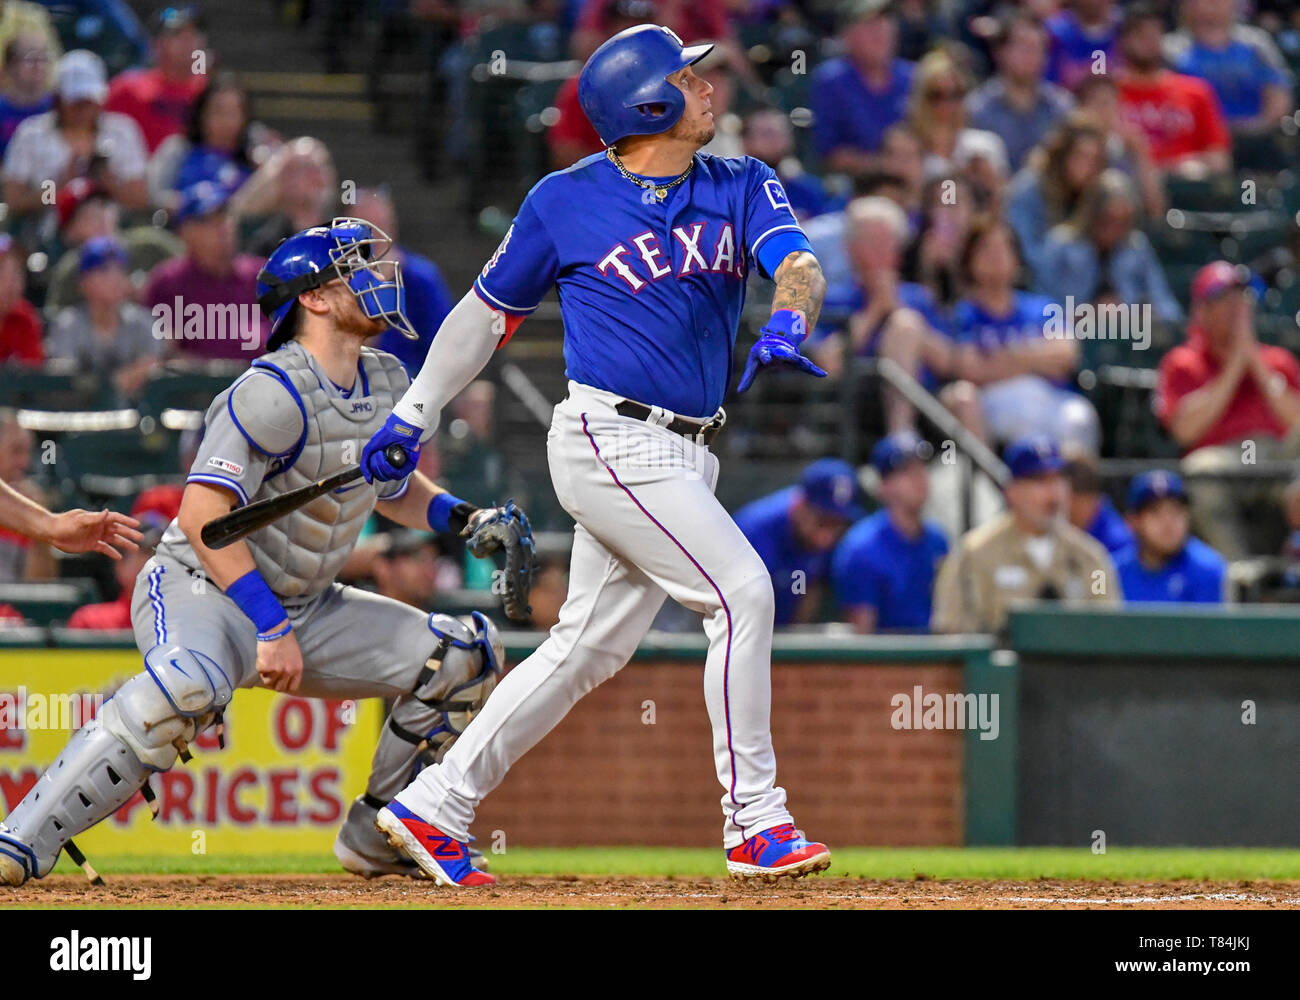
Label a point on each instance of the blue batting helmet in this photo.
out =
(624, 82)
(348, 249)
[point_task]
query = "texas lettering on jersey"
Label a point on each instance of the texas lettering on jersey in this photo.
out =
(721, 257)
(651, 290)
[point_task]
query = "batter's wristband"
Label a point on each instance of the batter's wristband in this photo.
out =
(440, 511)
(255, 599)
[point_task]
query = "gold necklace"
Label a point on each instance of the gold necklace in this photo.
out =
(660, 190)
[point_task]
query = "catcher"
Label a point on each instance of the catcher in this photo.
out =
(266, 610)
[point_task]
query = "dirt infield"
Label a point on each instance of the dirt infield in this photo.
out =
(180, 891)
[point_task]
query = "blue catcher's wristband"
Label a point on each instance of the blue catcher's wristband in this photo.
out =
(254, 599)
(440, 508)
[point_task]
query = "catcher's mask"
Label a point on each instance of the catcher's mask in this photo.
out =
(348, 249)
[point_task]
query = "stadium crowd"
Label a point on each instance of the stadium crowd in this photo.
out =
(1003, 197)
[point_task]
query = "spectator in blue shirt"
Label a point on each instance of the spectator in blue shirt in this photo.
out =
(27, 87)
(1166, 563)
(1084, 41)
(1003, 350)
(428, 300)
(857, 96)
(1017, 103)
(1241, 62)
(795, 530)
(1091, 510)
(883, 572)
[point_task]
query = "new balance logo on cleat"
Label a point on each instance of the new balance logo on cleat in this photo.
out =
(442, 858)
(778, 852)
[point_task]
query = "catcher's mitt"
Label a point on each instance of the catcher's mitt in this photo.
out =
(494, 529)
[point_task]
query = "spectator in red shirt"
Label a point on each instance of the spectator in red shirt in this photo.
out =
(159, 99)
(1180, 115)
(1228, 401)
(213, 277)
(116, 614)
(20, 323)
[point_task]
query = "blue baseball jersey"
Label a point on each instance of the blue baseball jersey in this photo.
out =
(1238, 72)
(650, 291)
(1197, 574)
(876, 566)
(1109, 527)
(766, 524)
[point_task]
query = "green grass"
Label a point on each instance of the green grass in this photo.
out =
(1130, 864)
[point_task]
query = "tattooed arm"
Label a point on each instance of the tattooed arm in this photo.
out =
(800, 289)
(800, 286)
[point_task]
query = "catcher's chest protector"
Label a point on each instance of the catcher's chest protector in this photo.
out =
(300, 554)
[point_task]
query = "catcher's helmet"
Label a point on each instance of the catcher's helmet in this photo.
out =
(626, 76)
(350, 249)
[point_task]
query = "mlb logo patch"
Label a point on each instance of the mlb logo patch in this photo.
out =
(226, 465)
(776, 194)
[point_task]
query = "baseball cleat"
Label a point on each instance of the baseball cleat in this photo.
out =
(442, 858)
(775, 853)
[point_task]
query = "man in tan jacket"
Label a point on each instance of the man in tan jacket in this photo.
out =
(1032, 552)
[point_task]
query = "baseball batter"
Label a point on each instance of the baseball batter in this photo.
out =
(649, 244)
(266, 610)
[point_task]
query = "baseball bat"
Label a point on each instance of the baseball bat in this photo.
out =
(228, 528)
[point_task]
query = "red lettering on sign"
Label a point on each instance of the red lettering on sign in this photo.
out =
(12, 739)
(324, 786)
(236, 812)
(14, 786)
(212, 793)
(284, 801)
(297, 735)
(177, 791)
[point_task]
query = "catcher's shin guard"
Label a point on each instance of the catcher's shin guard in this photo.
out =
(149, 721)
(94, 776)
(449, 690)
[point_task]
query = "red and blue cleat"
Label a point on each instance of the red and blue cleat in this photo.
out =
(778, 852)
(442, 858)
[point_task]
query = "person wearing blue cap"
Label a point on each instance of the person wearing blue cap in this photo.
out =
(107, 332)
(1032, 552)
(883, 572)
(795, 530)
(1166, 563)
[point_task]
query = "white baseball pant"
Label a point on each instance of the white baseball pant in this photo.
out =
(648, 525)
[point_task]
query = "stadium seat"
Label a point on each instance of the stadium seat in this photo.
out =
(186, 390)
(48, 601)
(27, 387)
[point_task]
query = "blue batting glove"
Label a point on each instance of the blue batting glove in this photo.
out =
(778, 344)
(376, 465)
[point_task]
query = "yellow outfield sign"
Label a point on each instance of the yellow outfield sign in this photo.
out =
(282, 784)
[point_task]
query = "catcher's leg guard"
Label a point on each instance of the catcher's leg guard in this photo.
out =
(449, 690)
(140, 730)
